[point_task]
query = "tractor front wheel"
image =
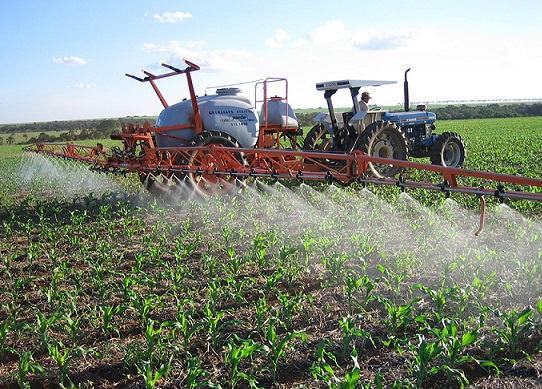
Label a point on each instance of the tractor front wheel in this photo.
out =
(214, 164)
(448, 150)
(384, 140)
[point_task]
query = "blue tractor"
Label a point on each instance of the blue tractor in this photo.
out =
(381, 133)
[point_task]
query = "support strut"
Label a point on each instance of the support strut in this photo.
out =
(482, 214)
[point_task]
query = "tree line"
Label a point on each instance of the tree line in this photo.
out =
(70, 130)
(458, 112)
(489, 111)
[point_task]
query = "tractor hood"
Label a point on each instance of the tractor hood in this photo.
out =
(410, 118)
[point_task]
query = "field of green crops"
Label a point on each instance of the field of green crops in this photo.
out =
(285, 285)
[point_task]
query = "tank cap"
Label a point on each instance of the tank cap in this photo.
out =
(228, 91)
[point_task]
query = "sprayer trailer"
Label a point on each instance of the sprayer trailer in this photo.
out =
(378, 132)
(211, 144)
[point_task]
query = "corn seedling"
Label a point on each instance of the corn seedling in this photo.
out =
(237, 286)
(213, 322)
(43, 327)
(399, 317)
(16, 293)
(25, 366)
(185, 325)
(262, 310)
(277, 345)
(194, 373)
(234, 264)
(424, 352)
(109, 311)
(392, 279)
(154, 339)
(350, 334)
(322, 368)
(272, 279)
(517, 326)
(451, 344)
(364, 285)
(63, 361)
(307, 244)
(351, 378)
(144, 307)
(5, 329)
(482, 287)
(237, 351)
(290, 305)
(151, 376)
(334, 264)
(72, 325)
(259, 247)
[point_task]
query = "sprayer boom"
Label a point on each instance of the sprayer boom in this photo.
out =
(339, 168)
(226, 166)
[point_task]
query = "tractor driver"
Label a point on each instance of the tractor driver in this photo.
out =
(364, 102)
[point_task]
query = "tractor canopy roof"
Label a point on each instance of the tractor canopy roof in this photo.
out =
(334, 85)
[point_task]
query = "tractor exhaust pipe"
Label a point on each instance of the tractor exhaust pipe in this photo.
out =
(407, 101)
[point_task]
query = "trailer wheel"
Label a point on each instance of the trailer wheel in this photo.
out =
(207, 182)
(385, 140)
(448, 150)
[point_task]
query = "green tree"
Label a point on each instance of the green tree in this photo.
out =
(106, 127)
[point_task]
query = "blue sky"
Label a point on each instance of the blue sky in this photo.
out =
(63, 60)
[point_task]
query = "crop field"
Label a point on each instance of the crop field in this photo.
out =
(285, 285)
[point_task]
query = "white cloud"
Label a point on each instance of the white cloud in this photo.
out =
(514, 53)
(332, 31)
(70, 60)
(81, 86)
(381, 41)
(174, 46)
(215, 60)
(278, 38)
(172, 17)
(375, 40)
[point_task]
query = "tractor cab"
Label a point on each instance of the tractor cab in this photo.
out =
(359, 119)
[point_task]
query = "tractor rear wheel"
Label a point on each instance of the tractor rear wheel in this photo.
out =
(384, 140)
(448, 150)
(318, 138)
(208, 183)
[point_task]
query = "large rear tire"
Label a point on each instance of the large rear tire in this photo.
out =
(318, 138)
(448, 150)
(384, 140)
(208, 184)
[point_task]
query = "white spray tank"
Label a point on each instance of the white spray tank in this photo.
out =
(279, 112)
(227, 111)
